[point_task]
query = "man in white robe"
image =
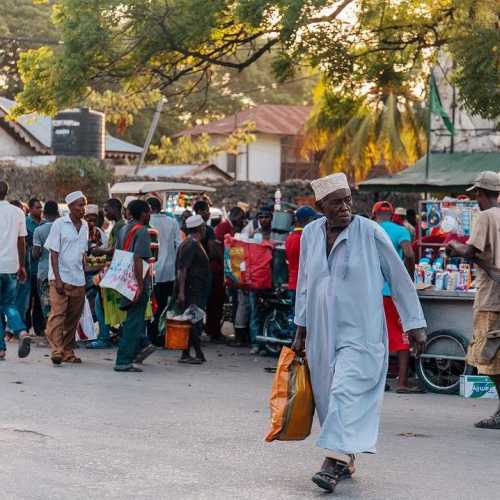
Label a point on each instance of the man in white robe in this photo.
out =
(339, 313)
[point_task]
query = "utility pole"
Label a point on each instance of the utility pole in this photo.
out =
(151, 131)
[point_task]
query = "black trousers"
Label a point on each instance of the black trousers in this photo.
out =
(162, 293)
(34, 315)
(195, 341)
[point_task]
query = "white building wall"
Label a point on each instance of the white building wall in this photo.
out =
(259, 161)
(11, 147)
(221, 159)
(472, 133)
(265, 159)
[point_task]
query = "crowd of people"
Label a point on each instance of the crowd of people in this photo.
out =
(57, 260)
(349, 278)
(188, 262)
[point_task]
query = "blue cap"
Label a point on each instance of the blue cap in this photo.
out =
(304, 213)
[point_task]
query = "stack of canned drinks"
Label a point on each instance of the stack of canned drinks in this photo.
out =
(450, 276)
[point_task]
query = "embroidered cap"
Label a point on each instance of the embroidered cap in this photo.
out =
(72, 197)
(329, 184)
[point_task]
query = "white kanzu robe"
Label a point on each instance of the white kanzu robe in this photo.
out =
(340, 302)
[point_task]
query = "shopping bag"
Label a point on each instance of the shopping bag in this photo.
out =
(235, 262)
(259, 265)
(120, 276)
(86, 327)
(291, 402)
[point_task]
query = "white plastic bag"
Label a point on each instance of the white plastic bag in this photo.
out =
(86, 328)
(120, 275)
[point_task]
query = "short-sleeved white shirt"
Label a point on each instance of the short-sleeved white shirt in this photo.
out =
(71, 245)
(169, 240)
(13, 227)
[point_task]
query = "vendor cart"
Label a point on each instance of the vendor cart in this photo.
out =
(448, 311)
(449, 329)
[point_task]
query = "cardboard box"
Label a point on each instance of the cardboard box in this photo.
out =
(477, 386)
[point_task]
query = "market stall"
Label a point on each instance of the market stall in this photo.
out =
(445, 287)
(172, 194)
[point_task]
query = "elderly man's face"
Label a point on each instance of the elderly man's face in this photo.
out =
(77, 208)
(337, 208)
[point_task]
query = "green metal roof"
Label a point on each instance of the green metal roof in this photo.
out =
(448, 172)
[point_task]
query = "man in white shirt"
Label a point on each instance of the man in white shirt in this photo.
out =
(67, 244)
(169, 240)
(12, 254)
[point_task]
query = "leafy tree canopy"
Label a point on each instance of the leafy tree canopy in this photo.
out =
(174, 45)
(189, 150)
(24, 24)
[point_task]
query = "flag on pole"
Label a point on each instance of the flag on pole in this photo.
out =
(437, 107)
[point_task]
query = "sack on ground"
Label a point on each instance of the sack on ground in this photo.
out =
(291, 402)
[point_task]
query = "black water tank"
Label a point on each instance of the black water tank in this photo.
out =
(79, 132)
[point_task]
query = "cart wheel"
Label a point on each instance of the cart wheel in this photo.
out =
(275, 326)
(443, 362)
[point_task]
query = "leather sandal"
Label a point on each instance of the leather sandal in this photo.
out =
(492, 422)
(72, 359)
(328, 479)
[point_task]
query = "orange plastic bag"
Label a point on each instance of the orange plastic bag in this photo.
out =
(291, 402)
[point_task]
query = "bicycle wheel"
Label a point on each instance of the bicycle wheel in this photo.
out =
(443, 362)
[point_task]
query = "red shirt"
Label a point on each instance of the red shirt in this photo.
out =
(223, 228)
(292, 249)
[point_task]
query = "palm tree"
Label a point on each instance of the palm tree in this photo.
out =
(354, 133)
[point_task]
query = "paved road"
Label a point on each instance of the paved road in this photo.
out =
(184, 432)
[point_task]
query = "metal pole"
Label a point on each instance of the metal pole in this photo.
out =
(429, 117)
(453, 112)
(151, 131)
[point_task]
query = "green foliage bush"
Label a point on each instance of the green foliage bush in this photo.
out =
(85, 174)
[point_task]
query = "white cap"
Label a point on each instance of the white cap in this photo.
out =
(92, 210)
(194, 221)
(72, 197)
(329, 184)
(400, 211)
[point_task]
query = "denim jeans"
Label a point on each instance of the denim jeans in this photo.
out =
(22, 299)
(255, 318)
(8, 290)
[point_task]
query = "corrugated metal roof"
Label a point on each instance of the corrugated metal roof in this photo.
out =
(275, 119)
(40, 127)
(158, 171)
(144, 187)
(168, 170)
(448, 172)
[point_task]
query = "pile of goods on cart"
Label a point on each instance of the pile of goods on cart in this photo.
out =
(446, 219)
